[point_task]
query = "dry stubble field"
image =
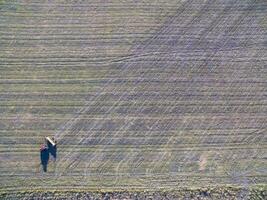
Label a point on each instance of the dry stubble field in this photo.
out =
(141, 95)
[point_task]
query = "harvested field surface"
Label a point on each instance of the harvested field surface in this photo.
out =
(144, 95)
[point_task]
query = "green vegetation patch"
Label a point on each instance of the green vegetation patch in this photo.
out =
(222, 192)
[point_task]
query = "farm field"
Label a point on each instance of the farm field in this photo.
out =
(140, 95)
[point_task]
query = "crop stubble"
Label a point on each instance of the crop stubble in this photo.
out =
(148, 95)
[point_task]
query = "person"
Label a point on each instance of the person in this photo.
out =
(52, 149)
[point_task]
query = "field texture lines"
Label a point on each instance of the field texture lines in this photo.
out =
(139, 94)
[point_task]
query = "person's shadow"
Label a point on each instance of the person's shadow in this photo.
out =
(44, 156)
(45, 150)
